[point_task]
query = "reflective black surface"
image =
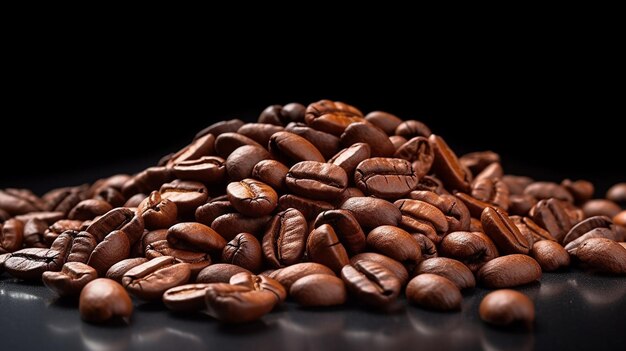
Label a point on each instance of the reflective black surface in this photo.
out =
(575, 310)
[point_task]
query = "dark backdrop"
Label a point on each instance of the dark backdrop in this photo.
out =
(549, 125)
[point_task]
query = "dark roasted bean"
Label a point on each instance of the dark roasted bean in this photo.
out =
(371, 283)
(331, 116)
(474, 249)
(422, 217)
(326, 143)
(289, 275)
(455, 271)
(150, 280)
(319, 290)
(603, 255)
(231, 224)
(71, 279)
(392, 265)
(185, 298)
(237, 304)
(503, 231)
(383, 120)
(419, 152)
(242, 160)
(252, 197)
(117, 271)
(350, 157)
(364, 132)
(434, 292)
(219, 273)
(221, 127)
(324, 247)
(371, 212)
(412, 128)
(550, 255)
(395, 243)
(388, 178)
(272, 173)
(157, 213)
(505, 307)
(284, 241)
(547, 190)
(509, 271)
(226, 143)
(206, 169)
(290, 148)
(447, 166)
(316, 180)
(244, 251)
(346, 227)
(104, 299)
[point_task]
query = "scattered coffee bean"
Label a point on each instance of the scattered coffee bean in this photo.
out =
(434, 292)
(505, 307)
(70, 280)
(509, 271)
(103, 300)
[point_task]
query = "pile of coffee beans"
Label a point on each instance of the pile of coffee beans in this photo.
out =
(319, 204)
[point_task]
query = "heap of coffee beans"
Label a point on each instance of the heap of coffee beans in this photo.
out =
(319, 204)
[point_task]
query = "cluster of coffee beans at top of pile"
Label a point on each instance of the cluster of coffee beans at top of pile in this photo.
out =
(319, 204)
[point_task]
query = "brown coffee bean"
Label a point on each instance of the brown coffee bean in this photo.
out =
(208, 212)
(260, 283)
(503, 231)
(135, 200)
(520, 205)
(492, 191)
(244, 251)
(219, 273)
(476, 162)
(371, 212)
(157, 213)
(419, 152)
(412, 128)
(509, 271)
(547, 190)
(476, 226)
(552, 215)
(388, 178)
(284, 241)
(272, 173)
(427, 247)
(89, 209)
(290, 148)
(455, 271)
(113, 248)
(202, 146)
(617, 193)
(371, 283)
(581, 190)
(316, 180)
(11, 235)
(242, 160)
(350, 157)
(434, 292)
(195, 237)
(231, 224)
(530, 229)
(187, 195)
(397, 141)
(17, 204)
(123, 219)
(601, 254)
(392, 265)
(365, 132)
(70, 280)
(195, 260)
(447, 166)
(226, 143)
(34, 230)
(47, 216)
(474, 206)
(206, 169)
(494, 172)
(117, 271)
(150, 280)
(237, 304)
(290, 274)
(506, 307)
(259, 132)
(395, 243)
(331, 116)
(383, 120)
(347, 228)
(218, 128)
(620, 219)
(319, 290)
(550, 255)
(185, 298)
(601, 207)
(422, 217)
(326, 143)
(310, 209)
(454, 210)
(324, 247)
(146, 181)
(277, 114)
(581, 229)
(252, 197)
(29, 264)
(102, 300)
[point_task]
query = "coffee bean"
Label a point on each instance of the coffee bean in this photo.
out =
(185, 298)
(237, 304)
(494, 172)
(202, 146)
(474, 206)
(219, 273)
(150, 280)
(364, 132)
(620, 219)
(290, 148)
(187, 195)
(350, 157)
(272, 173)
(447, 166)
(102, 300)
(424, 218)
(226, 143)
(17, 203)
(547, 190)
(427, 247)
(242, 160)
(434, 292)
(231, 224)
(114, 248)
(196, 261)
(474, 249)
(331, 116)
(260, 283)
(89, 209)
(392, 265)
(456, 213)
(395, 243)
(117, 271)
(388, 178)
(135, 200)
(347, 228)
(506, 307)
(195, 237)
(397, 141)
(583, 228)
(327, 144)
(509, 271)
(552, 215)
(146, 181)
(206, 169)
(550, 255)
(504, 233)
(47, 216)
(281, 115)
(259, 132)
(157, 213)
(412, 128)
(581, 190)
(319, 290)
(617, 193)
(29, 264)
(290, 274)
(310, 209)
(11, 235)
(520, 205)
(123, 219)
(244, 251)
(383, 120)
(601, 254)
(492, 191)
(476, 162)
(34, 230)
(530, 229)
(70, 280)
(371, 212)
(208, 212)
(316, 180)
(324, 247)
(455, 271)
(75, 246)
(371, 283)
(218, 128)
(601, 207)
(285, 239)
(419, 152)
(252, 197)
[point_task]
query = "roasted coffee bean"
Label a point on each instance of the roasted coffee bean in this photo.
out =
(102, 300)
(11, 235)
(397, 141)
(581, 190)
(427, 247)
(547, 190)
(310, 209)
(34, 230)
(584, 227)
(157, 213)
(74, 246)
(47, 216)
(195, 260)
(117, 271)
(331, 116)
(617, 193)
(244, 251)
(260, 283)
(476, 162)
(350, 157)
(550, 255)
(476, 226)
(347, 228)
(371, 283)
(89, 209)
(70, 280)
(509, 271)
(506, 307)
(146, 181)
(395, 243)
(219, 273)
(388, 178)
(252, 197)
(474, 206)
(114, 248)
(195, 237)
(218, 128)
(323, 246)
(434, 292)
(150, 280)
(237, 304)
(419, 152)
(242, 160)
(520, 205)
(208, 212)
(392, 265)
(64, 199)
(290, 148)
(492, 191)
(15, 204)
(530, 229)
(272, 173)
(316, 180)
(422, 217)
(620, 219)
(290, 274)
(364, 132)
(601, 207)
(327, 144)
(206, 169)
(319, 290)
(284, 241)
(601, 254)
(185, 298)
(259, 132)
(494, 171)
(226, 143)
(123, 219)
(371, 212)
(202, 146)
(516, 184)
(454, 210)
(473, 249)
(552, 215)
(231, 224)
(503, 231)
(135, 200)
(152, 237)
(29, 264)
(281, 115)
(455, 271)
(447, 166)
(412, 128)
(383, 120)
(187, 195)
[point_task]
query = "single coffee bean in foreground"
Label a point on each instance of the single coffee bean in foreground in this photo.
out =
(509, 271)
(505, 307)
(103, 300)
